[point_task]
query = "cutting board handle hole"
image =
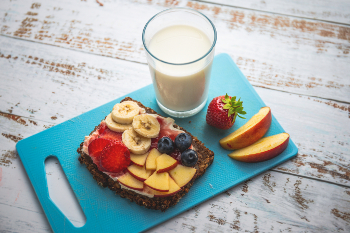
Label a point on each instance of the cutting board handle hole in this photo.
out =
(61, 192)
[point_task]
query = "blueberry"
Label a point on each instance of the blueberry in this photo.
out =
(183, 141)
(189, 158)
(166, 145)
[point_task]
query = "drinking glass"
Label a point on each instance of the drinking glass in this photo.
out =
(181, 88)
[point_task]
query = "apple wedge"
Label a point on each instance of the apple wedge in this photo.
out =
(138, 160)
(151, 159)
(182, 175)
(130, 182)
(158, 181)
(138, 172)
(250, 132)
(264, 149)
(173, 188)
(165, 163)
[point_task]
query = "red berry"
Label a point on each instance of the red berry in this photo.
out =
(97, 145)
(102, 127)
(217, 116)
(115, 158)
(105, 132)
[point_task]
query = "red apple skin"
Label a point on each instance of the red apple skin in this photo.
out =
(166, 195)
(136, 164)
(135, 176)
(167, 168)
(156, 189)
(186, 183)
(252, 135)
(266, 155)
(169, 194)
(130, 187)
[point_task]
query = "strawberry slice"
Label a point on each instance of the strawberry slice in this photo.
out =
(97, 145)
(105, 132)
(115, 158)
(102, 127)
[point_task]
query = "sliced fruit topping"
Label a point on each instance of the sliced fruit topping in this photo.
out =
(167, 128)
(138, 172)
(114, 126)
(165, 163)
(223, 110)
(102, 127)
(130, 181)
(189, 158)
(139, 160)
(182, 175)
(183, 141)
(136, 143)
(264, 149)
(158, 181)
(151, 159)
(166, 145)
(176, 155)
(96, 146)
(173, 188)
(115, 158)
(125, 112)
(250, 132)
(105, 132)
(146, 125)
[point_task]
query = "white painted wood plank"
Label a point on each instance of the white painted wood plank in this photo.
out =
(270, 202)
(335, 11)
(278, 52)
(20, 210)
(255, 206)
(14, 219)
(54, 84)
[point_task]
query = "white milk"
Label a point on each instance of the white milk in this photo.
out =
(180, 87)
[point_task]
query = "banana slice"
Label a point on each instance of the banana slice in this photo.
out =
(146, 125)
(136, 143)
(124, 112)
(116, 127)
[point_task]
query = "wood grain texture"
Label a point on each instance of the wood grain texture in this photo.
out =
(335, 11)
(51, 77)
(271, 202)
(14, 219)
(278, 52)
(55, 84)
(20, 210)
(251, 207)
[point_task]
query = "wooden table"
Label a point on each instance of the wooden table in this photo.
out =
(62, 58)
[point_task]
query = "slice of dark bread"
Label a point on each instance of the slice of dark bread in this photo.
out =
(205, 158)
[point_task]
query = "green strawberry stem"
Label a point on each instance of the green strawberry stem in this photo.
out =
(234, 107)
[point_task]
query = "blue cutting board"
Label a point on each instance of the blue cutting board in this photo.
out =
(106, 212)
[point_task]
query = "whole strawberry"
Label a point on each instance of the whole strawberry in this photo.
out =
(223, 110)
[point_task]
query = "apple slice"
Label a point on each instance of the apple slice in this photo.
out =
(182, 174)
(264, 149)
(158, 181)
(130, 182)
(173, 188)
(250, 132)
(138, 160)
(138, 172)
(165, 163)
(151, 159)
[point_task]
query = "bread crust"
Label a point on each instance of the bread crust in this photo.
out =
(205, 158)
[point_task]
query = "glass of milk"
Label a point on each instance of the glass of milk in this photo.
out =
(180, 44)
